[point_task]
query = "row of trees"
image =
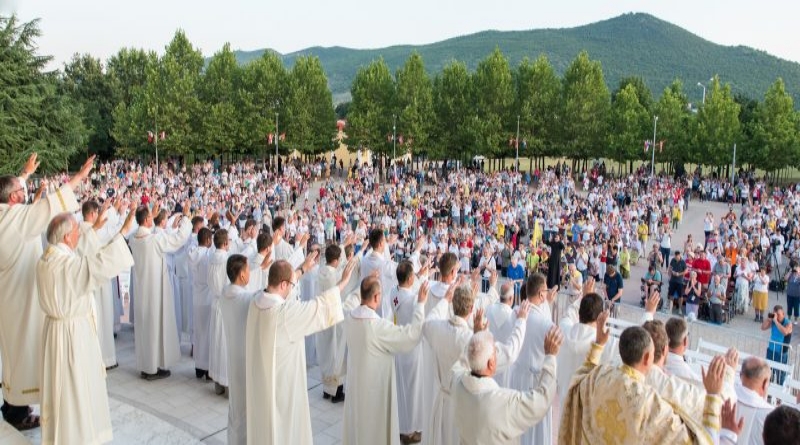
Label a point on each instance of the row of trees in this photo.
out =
(458, 114)
(216, 106)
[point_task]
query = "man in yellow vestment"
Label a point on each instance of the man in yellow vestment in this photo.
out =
(615, 405)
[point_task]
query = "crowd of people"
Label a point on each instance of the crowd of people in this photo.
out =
(430, 298)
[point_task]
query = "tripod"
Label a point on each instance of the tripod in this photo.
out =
(776, 284)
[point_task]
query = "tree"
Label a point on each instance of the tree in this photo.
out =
(370, 113)
(222, 129)
(674, 125)
(167, 102)
(538, 96)
(717, 126)
(34, 117)
(452, 104)
(643, 94)
(264, 93)
(494, 99)
(127, 73)
(85, 82)
(629, 124)
(310, 121)
(414, 101)
(586, 108)
(776, 130)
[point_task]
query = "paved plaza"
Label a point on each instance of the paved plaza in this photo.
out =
(184, 410)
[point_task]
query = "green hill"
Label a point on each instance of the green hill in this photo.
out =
(634, 44)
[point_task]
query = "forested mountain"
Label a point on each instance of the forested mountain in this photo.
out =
(633, 44)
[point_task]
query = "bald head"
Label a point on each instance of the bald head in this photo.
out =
(755, 375)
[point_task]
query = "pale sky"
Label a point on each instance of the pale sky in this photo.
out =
(101, 27)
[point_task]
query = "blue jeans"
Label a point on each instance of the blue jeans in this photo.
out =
(792, 306)
(665, 255)
(778, 356)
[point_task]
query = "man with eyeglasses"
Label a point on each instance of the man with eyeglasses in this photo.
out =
(277, 398)
(22, 320)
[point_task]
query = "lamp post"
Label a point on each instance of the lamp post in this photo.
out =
(704, 91)
(653, 154)
(394, 143)
(277, 133)
(516, 143)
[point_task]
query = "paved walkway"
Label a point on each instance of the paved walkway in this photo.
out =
(185, 410)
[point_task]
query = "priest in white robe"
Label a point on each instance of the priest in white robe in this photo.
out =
(234, 304)
(526, 373)
(260, 261)
(501, 319)
(330, 343)
(448, 339)
(97, 229)
(156, 333)
(578, 341)
(21, 318)
(371, 381)
(74, 398)
(409, 365)
(281, 249)
(201, 301)
(378, 258)
(277, 398)
(217, 280)
(488, 414)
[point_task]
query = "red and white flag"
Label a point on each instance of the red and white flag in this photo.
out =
(660, 146)
(646, 146)
(283, 136)
(400, 139)
(269, 138)
(150, 137)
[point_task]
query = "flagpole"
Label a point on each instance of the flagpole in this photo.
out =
(516, 160)
(653, 154)
(155, 140)
(394, 143)
(277, 133)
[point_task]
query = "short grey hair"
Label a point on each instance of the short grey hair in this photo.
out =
(60, 227)
(507, 291)
(463, 300)
(479, 350)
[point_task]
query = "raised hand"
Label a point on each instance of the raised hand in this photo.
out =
(553, 340)
(422, 295)
(651, 304)
(713, 377)
(82, 174)
(347, 272)
(30, 165)
(588, 285)
(602, 333)
(451, 291)
(479, 324)
(128, 224)
(732, 358)
(728, 418)
(523, 309)
(309, 262)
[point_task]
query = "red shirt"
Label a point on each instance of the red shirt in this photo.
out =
(703, 268)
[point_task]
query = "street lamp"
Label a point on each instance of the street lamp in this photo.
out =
(394, 144)
(516, 143)
(653, 154)
(277, 133)
(704, 91)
